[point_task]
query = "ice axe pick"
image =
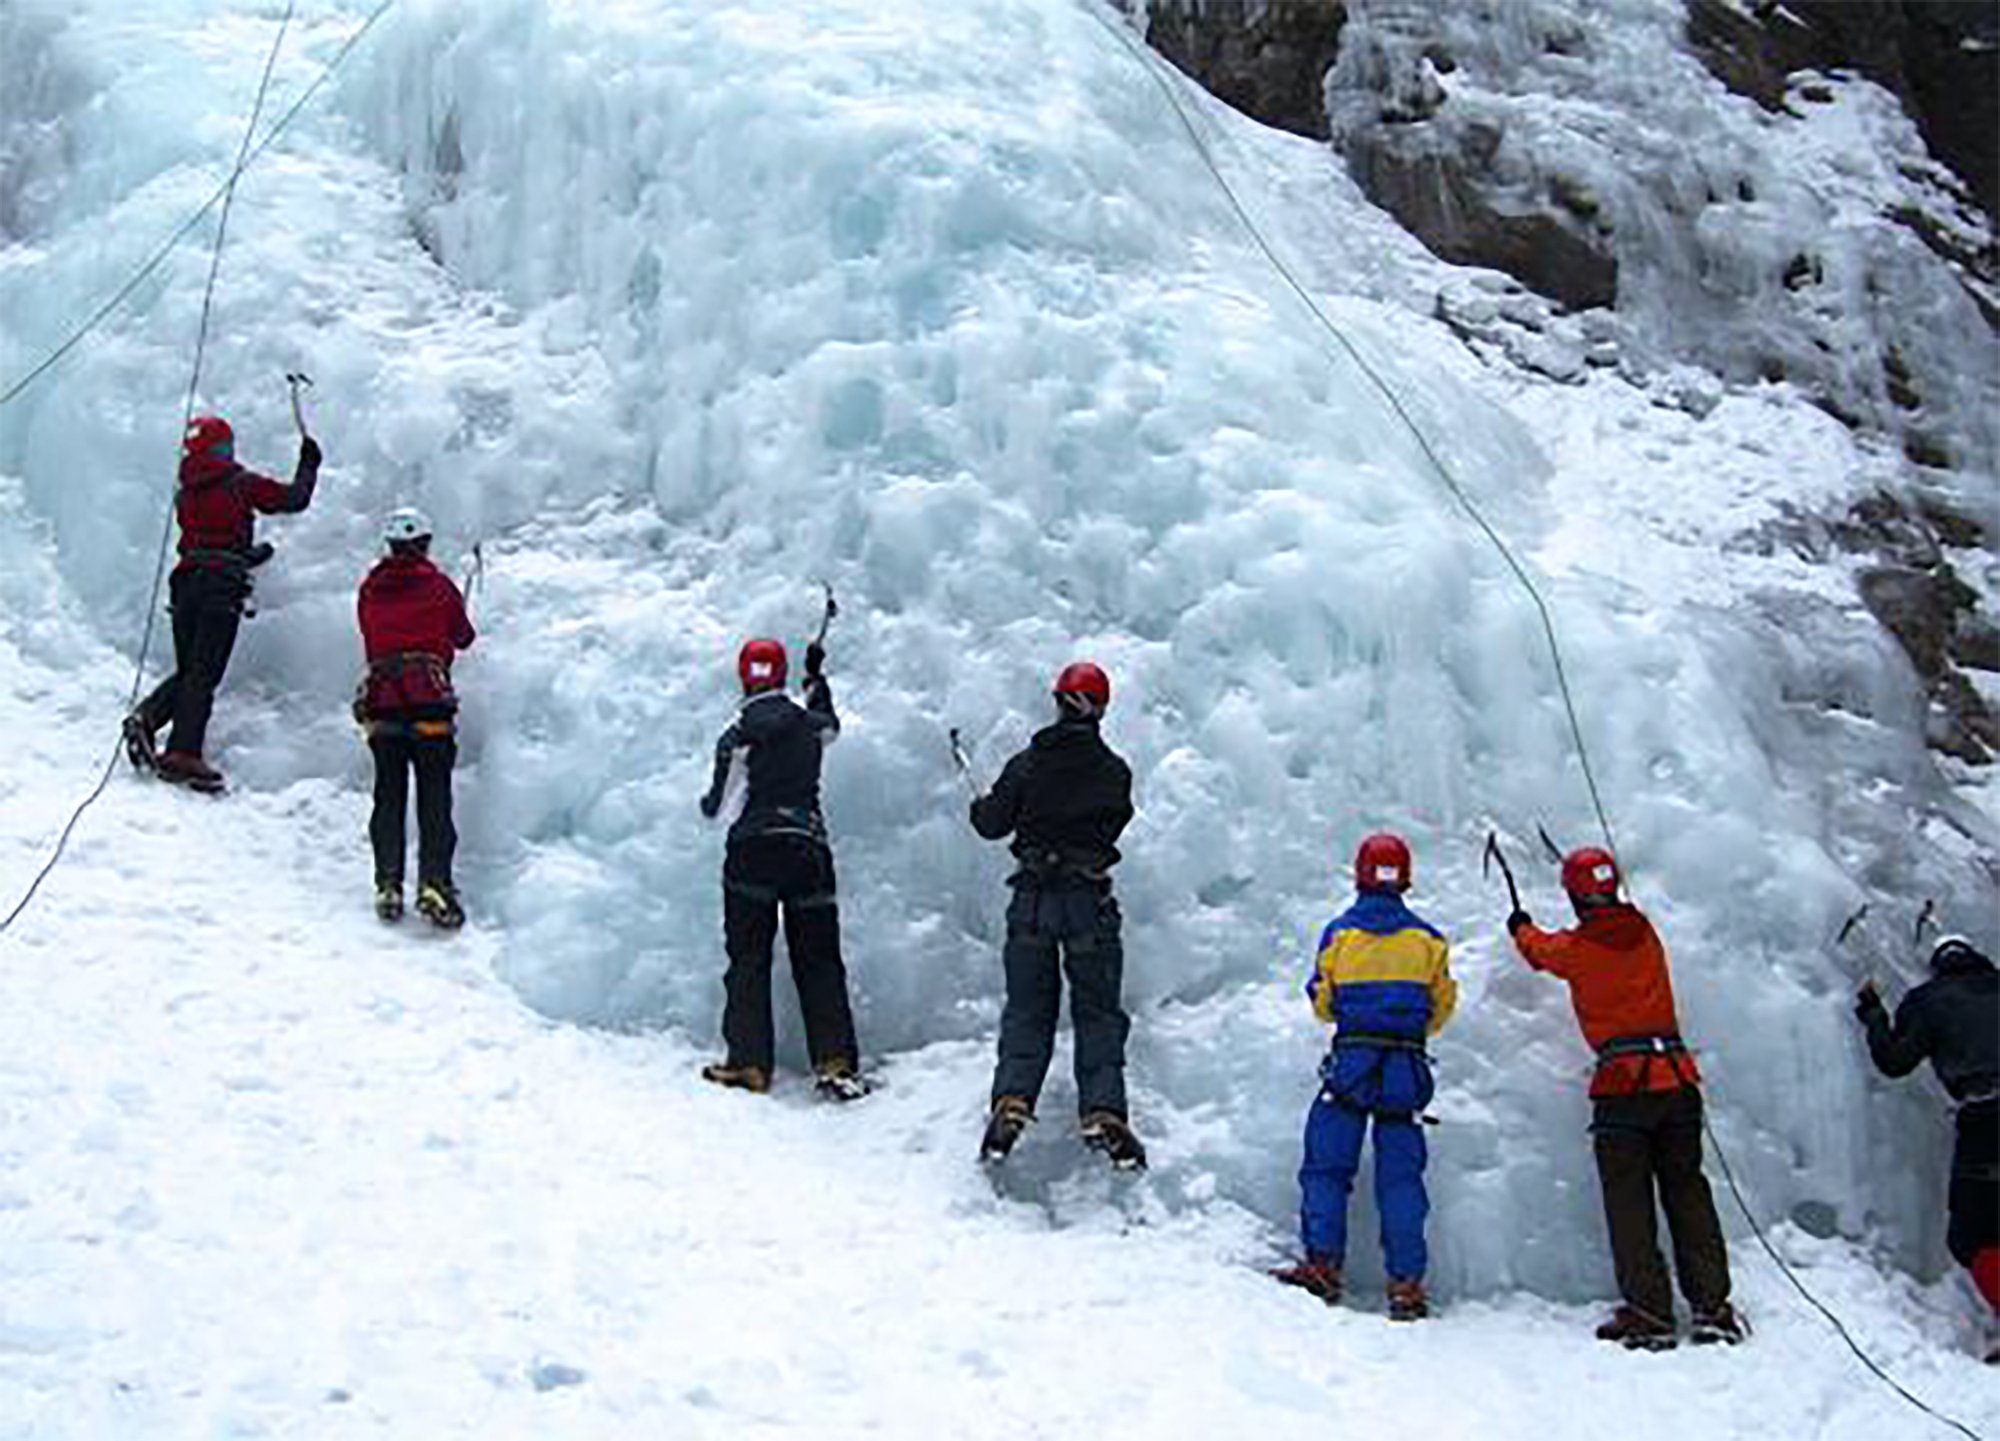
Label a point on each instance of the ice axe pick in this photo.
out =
(1494, 855)
(298, 380)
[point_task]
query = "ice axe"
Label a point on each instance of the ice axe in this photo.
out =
(1494, 855)
(963, 762)
(1555, 851)
(826, 617)
(475, 572)
(298, 380)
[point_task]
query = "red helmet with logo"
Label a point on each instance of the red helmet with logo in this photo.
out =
(1592, 873)
(1382, 863)
(761, 666)
(208, 435)
(1083, 686)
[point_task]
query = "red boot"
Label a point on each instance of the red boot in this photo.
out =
(185, 768)
(1315, 1277)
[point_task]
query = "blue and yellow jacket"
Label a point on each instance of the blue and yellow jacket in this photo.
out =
(1383, 979)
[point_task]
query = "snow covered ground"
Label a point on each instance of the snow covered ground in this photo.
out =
(678, 309)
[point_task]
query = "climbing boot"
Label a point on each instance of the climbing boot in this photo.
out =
(1637, 1330)
(754, 1079)
(389, 900)
(1722, 1326)
(139, 744)
(1319, 1278)
(437, 902)
(1011, 1116)
(840, 1080)
(185, 768)
(1107, 1131)
(1407, 1301)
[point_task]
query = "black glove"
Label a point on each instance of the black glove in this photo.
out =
(1517, 919)
(1867, 1001)
(262, 551)
(815, 659)
(309, 453)
(711, 804)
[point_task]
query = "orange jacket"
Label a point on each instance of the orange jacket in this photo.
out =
(1616, 968)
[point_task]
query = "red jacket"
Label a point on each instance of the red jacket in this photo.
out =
(218, 502)
(1618, 981)
(412, 623)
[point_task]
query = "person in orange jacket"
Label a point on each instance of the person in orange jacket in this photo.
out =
(1646, 1126)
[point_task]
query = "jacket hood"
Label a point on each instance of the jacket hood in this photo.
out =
(1382, 913)
(764, 713)
(1069, 731)
(1615, 924)
(395, 573)
(198, 472)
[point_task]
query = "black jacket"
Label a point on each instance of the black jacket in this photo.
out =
(1952, 1020)
(781, 743)
(1065, 799)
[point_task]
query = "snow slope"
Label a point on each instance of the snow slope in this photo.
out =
(679, 308)
(271, 1172)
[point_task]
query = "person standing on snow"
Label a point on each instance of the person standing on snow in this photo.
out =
(1647, 1108)
(778, 858)
(1952, 1020)
(413, 623)
(1065, 800)
(1383, 981)
(217, 504)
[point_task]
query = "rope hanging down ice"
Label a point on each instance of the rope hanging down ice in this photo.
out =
(1146, 58)
(227, 196)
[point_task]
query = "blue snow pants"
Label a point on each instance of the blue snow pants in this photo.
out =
(1363, 1083)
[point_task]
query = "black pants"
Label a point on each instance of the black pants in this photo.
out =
(1975, 1183)
(207, 607)
(1052, 931)
(762, 876)
(1649, 1145)
(432, 758)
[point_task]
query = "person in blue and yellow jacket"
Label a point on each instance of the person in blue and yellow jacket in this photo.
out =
(1383, 980)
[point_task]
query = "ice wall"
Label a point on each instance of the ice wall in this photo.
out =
(680, 309)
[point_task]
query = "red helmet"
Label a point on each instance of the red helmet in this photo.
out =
(1382, 863)
(761, 666)
(1591, 872)
(1084, 681)
(208, 435)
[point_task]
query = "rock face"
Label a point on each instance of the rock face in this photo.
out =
(1267, 60)
(1941, 58)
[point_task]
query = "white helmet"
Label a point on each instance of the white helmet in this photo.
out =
(406, 525)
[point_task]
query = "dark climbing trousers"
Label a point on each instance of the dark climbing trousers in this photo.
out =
(1649, 1146)
(763, 876)
(432, 758)
(1053, 930)
(1975, 1183)
(208, 608)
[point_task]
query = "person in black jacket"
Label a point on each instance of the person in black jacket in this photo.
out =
(1065, 800)
(1952, 1020)
(778, 858)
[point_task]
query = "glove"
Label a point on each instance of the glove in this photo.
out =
(309, 452)
(262, 551)
(1518, 919)
(1867, 1001)
(710, 804)
(815, 659)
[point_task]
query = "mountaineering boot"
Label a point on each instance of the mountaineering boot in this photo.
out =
(139, 744)
(437, 902)
(840, 1081)
(1011, 1116)
(1319, 1278)
(1636, 1330)
(389, 900)
(754, 1079)
(185, 768)
(1107, 1132)
(1721, 1325)
(1407, 1301)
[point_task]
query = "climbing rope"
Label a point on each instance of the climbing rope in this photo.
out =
(220, 197)
(227, 196)
(1153, 66)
